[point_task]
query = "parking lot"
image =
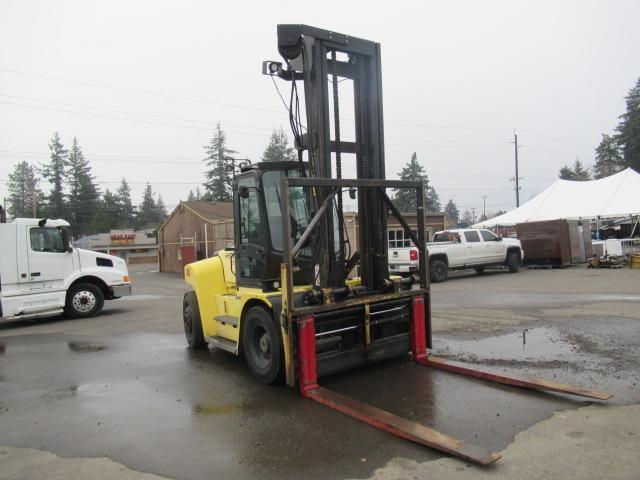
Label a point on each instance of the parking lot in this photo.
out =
(124, 386)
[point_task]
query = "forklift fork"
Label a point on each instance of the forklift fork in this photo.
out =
(401, 427)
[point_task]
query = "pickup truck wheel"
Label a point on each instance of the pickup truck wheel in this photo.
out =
(192, 322)
(438, 271)
(479, 270)
(261, 345)
(513, 262)
(84, 300)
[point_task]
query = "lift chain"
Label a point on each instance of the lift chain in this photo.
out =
(336, 125)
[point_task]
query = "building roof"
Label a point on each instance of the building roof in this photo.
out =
(207, 211)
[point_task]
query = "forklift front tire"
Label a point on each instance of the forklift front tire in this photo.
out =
(262, 346)
(192, 322)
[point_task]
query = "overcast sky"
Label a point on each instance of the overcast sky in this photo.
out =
(142, 84)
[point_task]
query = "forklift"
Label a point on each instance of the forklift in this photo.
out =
(293, 296)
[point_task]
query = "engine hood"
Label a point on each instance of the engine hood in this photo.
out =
(88, 259)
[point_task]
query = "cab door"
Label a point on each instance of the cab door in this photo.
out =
(49, 261)
(250, 243)
(493, 246)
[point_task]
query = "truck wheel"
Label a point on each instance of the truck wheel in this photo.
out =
(479, 270)
(513, 262)
(192, 322)
(438, 271)
(261, 345)
(84, 300)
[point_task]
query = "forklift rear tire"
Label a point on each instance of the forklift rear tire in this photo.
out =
(262, 346)
(192, 322)
(84, 300)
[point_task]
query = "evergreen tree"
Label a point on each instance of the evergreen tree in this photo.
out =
(125, 206)
(218, 185)
(452, 211)
(467, 219)
(55, 173)
(161, 210)
(151, 212)
(24, 194)
(278, 149)
(198, 194)
(578, 172)
(83, 192)
(433, 200)
(108, 213)
(405, 199)
(608, 158)
(628, 129)
(191, 197)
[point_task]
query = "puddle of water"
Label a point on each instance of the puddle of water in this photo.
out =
(527, 344)
(85, 347)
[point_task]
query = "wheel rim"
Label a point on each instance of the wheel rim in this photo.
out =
(260, 348)
(84, 301)
(440, 271)
(186, 316)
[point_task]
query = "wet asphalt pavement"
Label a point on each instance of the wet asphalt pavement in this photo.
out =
(125, 386)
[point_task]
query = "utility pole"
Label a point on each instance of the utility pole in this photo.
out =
(515, 144)
(33, 202)
(473, 214)
(484, 206)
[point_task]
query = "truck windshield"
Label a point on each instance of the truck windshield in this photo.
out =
(271, 182)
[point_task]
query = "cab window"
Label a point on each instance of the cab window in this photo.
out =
(487, 236)
(47, 240)
(250, 228)
(471, 236)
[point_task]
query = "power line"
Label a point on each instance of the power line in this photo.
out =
(137, 92)
(128, 112)
(136, 120)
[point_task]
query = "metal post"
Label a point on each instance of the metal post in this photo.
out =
(515, 142)
(206, 241)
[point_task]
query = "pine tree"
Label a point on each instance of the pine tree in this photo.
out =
(628, 129)
(577, 173)
(278, 149)
(25, 196)
(108, 213)
(433, 200)
(161, 210)
(83, 192)
(55, 173)
(151, 213)
(452, 211)
(191, 197)
(125, 206)
(467, 219)
(218, 185)
(405, 199)
(608, 158)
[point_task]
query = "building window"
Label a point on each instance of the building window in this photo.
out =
(398, 238)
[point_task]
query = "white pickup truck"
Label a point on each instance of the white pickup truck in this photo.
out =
(41, 274)
(459, 249)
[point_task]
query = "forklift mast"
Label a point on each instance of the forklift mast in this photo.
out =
(320, 58)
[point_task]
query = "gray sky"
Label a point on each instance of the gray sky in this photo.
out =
(141, 84)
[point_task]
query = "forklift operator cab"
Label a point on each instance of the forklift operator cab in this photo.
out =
(259, 242)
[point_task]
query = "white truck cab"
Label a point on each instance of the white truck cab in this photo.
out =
(41, 274)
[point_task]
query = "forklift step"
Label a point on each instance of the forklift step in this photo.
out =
(401, 426)
(227, 319)
(223, 343)
(524, 382)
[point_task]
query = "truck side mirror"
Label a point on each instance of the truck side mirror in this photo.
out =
(66, 239)
(243, 192)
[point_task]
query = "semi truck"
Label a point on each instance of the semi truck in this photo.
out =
(42, 274)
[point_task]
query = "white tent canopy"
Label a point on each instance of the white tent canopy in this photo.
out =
(614, 196)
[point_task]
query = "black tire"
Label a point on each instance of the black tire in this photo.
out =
(438, 271)
(192, 322)
(479, 270)
(513, 262)
(84, 300)
(262, 346)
